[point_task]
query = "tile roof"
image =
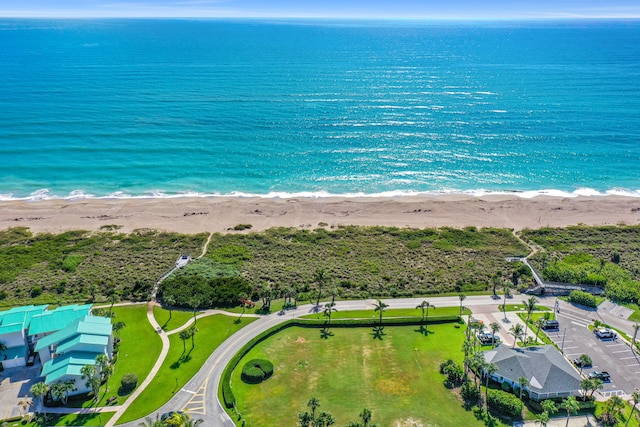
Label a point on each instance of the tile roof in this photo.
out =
(544, 367)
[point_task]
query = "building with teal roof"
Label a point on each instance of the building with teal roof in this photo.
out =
(64, 352)
(14, 325)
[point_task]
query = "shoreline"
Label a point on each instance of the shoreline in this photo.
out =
(192, 215)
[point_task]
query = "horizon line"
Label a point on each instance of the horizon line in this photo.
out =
(330, 17)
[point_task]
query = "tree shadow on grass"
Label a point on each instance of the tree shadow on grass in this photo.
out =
(424, 330)
(378, 332)
(325, 333)
(184, 358)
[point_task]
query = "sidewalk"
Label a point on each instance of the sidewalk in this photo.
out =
(575, 421)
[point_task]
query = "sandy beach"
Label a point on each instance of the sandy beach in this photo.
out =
(218, 214)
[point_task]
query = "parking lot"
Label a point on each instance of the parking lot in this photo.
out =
(611, 355)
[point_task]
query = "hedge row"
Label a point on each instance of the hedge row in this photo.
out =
(227, 393)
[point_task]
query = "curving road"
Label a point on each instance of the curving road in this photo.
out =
(200, 395)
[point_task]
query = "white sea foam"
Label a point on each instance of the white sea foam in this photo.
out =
(46, 194)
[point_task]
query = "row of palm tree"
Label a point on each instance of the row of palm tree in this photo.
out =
(315, 418)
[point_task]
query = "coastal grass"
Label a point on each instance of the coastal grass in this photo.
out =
(169, 320)
(396, 376)
(86, 266)
(183, 362)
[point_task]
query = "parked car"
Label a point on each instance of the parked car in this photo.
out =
(551, 324)
(170, 414)
(605, 333)
(580, 363)
(486, 339)
(604, 376)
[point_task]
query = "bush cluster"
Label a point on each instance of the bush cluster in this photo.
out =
(505, 403)
(583, 298)
(454, 373)
(256, 370)
(211, 292)
(128, 383)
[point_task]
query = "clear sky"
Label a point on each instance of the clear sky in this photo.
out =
(418, 9)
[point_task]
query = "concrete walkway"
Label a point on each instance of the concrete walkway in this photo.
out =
(163, 355)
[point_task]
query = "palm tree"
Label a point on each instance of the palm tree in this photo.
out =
(585, 360)
(305, 419)
(149, 422)
(506, 286)
(425, 306)
(467, 348)
(184, 336)
(190, 422)
(585, 385)
(325, 419)
(543, 417)
(636, 327)
(517, 332)
(596, 384)
(329, 308)
(90, 373)
(23, 405)
(113, 298)
(192, 333)
(539, 325)
(530, 306)
(549, 406)
(489, 369)
(320, 277)
(39, 391)
(636, 398)
(194, 303)
(169, 301)
(366, 417)
(571, 405)
(117, 327)
(313, 403)
(380, 306)
(461, 297)
(522, 382)
(495, 327)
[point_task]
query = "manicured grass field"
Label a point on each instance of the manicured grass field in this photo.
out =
(172, 320)
(396, 377)
(77, 420)
(180, 366)
(140, 346)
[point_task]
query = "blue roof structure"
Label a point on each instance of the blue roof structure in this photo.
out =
(21, 315)
(60, 318)
(89, 325)
(69, 364)
(14, 353)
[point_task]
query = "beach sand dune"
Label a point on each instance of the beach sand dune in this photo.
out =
(219, 214)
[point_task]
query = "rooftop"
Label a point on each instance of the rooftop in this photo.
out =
(544, 367)
(60, 318)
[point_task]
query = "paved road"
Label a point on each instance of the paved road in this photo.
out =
(199, 395)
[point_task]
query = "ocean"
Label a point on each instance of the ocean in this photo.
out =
(279, 108)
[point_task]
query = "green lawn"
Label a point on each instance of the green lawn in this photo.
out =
(140, 346)
(396, 377)
(396, 312)
(173, 319)
(179, 366)
(74, 420)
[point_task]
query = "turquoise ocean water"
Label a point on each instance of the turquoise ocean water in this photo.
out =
(161, 108)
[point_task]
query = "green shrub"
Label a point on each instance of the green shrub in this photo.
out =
(505, 403)
(128, 383)
(256, 370)
(583, 298)
(469, 392)
(71, 263)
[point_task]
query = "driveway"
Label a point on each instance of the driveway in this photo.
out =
(14, 388)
